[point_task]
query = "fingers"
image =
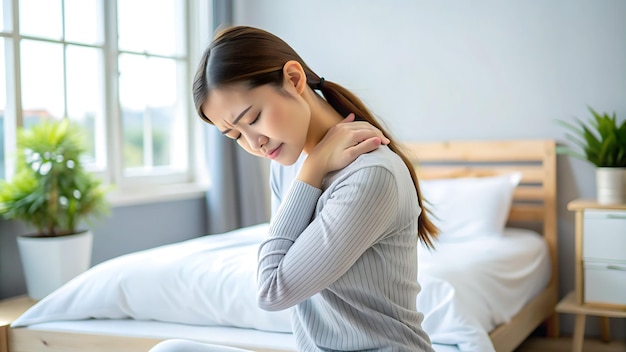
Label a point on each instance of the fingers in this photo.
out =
(342, 144)
(361, 129)
(365, 146)
(358, 135)
(346, 156)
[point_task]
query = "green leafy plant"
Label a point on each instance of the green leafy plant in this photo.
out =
(602, 141)
(50, 189)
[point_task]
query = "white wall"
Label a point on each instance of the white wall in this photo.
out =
(484, 69)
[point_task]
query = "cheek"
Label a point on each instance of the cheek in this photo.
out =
(290, 117)
(278, 121)
(274, 122)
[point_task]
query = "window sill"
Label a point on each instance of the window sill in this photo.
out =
(156, 194)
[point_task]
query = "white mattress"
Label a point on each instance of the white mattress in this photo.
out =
(493, 277)
(235, 337)
(468, 287)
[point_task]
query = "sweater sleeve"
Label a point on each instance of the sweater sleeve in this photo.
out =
(300, 257)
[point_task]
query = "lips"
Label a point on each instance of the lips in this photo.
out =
(274, 152)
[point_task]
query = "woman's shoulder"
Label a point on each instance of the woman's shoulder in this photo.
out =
(381, 158)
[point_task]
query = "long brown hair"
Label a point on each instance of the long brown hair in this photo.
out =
(255, 57)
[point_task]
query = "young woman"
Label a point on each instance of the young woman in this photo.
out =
(347, 211)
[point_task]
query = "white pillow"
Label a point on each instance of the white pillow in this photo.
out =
(210, 280)
(466, 208)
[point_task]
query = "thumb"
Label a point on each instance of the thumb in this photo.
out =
(349, 118)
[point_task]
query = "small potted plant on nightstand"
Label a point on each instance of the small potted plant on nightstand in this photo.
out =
(52, 192)
(603, 144)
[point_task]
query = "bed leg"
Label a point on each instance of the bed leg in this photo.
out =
(579, 333)
(4, 341)
(552, 326)
(605, 328)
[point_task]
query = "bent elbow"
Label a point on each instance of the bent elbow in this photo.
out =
(268, 307)
(272, 304)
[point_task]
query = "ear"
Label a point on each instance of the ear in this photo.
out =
(294, 75)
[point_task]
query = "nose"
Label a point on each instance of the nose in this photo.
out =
(255, 140)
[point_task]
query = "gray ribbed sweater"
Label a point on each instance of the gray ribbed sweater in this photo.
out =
(346, 256)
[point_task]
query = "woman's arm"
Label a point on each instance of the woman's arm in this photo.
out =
(301, 257)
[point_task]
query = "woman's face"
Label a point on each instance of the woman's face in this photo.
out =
(265, 121)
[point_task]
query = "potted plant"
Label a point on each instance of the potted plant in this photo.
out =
(52, 192)
(602, 142)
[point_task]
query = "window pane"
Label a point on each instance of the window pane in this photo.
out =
(83, 21)
(152, 116)
(160, 28)
(5, 15)
(133, 103)
(3, 105)
(41, 18)
(42, 81)
(85, 95)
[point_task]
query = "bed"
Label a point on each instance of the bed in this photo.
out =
(533, 206)
(513, 254)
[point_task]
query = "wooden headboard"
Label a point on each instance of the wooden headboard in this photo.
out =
(534, 201)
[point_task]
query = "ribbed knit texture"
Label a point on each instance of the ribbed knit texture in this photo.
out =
(346, 256)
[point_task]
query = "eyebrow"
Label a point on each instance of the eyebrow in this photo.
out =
(236, 120)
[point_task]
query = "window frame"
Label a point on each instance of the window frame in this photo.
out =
(193, 182)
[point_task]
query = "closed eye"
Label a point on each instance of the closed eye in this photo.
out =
(230, 136)
(255, 119)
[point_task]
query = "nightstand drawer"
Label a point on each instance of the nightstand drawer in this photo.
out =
(604, 235)
(605, 283)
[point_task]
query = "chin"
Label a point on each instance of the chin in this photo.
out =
(288, 159)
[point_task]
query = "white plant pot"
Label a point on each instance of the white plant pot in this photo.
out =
(50, 262)
(611, 185)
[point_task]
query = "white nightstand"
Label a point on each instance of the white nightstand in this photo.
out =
(600, 266)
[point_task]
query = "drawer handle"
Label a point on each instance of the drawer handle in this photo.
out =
(616, 267)
(615, 216)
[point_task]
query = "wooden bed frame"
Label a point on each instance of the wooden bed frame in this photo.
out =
(534, 207)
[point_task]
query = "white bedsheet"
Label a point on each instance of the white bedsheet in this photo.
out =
(228, 336)
(494, 277)
(467, 289)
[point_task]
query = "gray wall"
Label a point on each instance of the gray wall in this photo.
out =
(127, 229)
(440, 70)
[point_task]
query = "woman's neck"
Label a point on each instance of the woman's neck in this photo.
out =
(323, 118)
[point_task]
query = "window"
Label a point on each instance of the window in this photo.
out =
(122, 70)
(3, 103)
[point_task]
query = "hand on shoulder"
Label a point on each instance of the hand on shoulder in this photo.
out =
(341, 145)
